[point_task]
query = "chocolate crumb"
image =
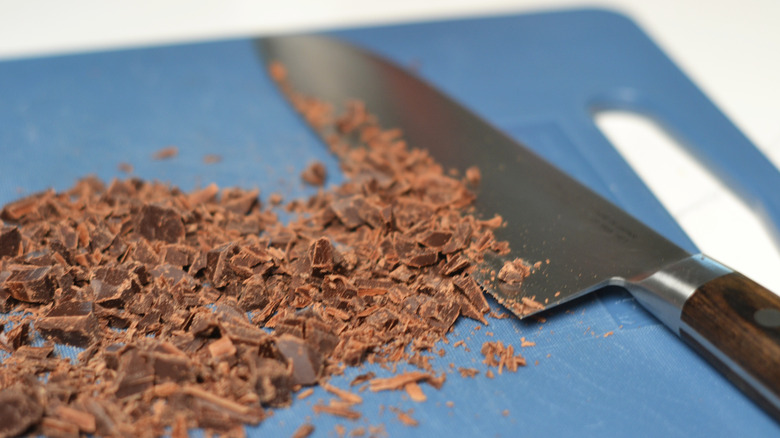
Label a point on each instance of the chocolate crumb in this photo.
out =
(305, 393)
(405, 417)
(166, 153)
(514, 272)
(468, 372)
(473, 175)
(212, 159)
(315, 174)
(338, 411)
(304, 431)
(362, 378)
(125, 167)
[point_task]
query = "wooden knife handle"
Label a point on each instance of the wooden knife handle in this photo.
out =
(734, 323)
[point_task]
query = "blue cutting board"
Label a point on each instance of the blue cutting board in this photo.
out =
(539, 77)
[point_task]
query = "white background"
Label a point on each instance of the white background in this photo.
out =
(730, 48)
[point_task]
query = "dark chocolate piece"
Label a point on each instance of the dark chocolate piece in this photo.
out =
(321, 253)
(114, 286)
(10, 241)
(72, 322)
(19, 335)
(154, 222)
(31, 285)
(21, 407)
(306, 364)
(315, 174)
(136, 373)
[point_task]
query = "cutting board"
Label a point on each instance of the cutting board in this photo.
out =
(539, 77)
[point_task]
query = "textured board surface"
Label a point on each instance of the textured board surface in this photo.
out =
(538, 77)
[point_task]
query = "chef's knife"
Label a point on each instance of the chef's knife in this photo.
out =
(590, 243)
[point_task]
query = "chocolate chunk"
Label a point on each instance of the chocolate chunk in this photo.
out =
(460, 238)
(21, 407)
(111, 355)
(455, 264)
(160, 223)
(217, 263)
(143, 252)
(171, 368)
(178, 255)
(306, 364)
(273, 382)
(315, 174)
(10, 241)
(35, 353)
(321, 255)
(348, 212)
(420, 258)
(31, 285)
(114, 286)
(19, 335)
(239, 201)
(473, 293)
(434, 239)
(136, 373)
(72, 322)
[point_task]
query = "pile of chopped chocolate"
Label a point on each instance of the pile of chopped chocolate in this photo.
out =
(199, 310)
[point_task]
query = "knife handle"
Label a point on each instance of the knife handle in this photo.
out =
(730, 320)
(734, 323)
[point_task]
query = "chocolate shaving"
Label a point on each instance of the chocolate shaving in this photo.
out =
(337, 410)
(166, 153)
(304, 431)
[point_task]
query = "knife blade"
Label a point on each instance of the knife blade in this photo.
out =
(586, 241)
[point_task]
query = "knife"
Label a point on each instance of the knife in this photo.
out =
(587, 243)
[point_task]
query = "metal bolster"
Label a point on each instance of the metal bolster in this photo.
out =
(665, 292)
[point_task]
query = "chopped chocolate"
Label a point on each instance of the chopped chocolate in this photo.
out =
(125, 167)
(166, 153)
(31, 284)
(415, 392)
(84, 421)
(468, 372)
(19, 336)
(514, 272)
(401, 380)
(473, 175)
(405, 417)
(211, 159)
(497, 355)
(154, 222)
(304, 431)
(315, 174)
(10, 241)
(337, 410)
(321, 253)
(21, 407)
(72, 322)
(344, 395)
(155, 285)
(306, 364)
(362, 378)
